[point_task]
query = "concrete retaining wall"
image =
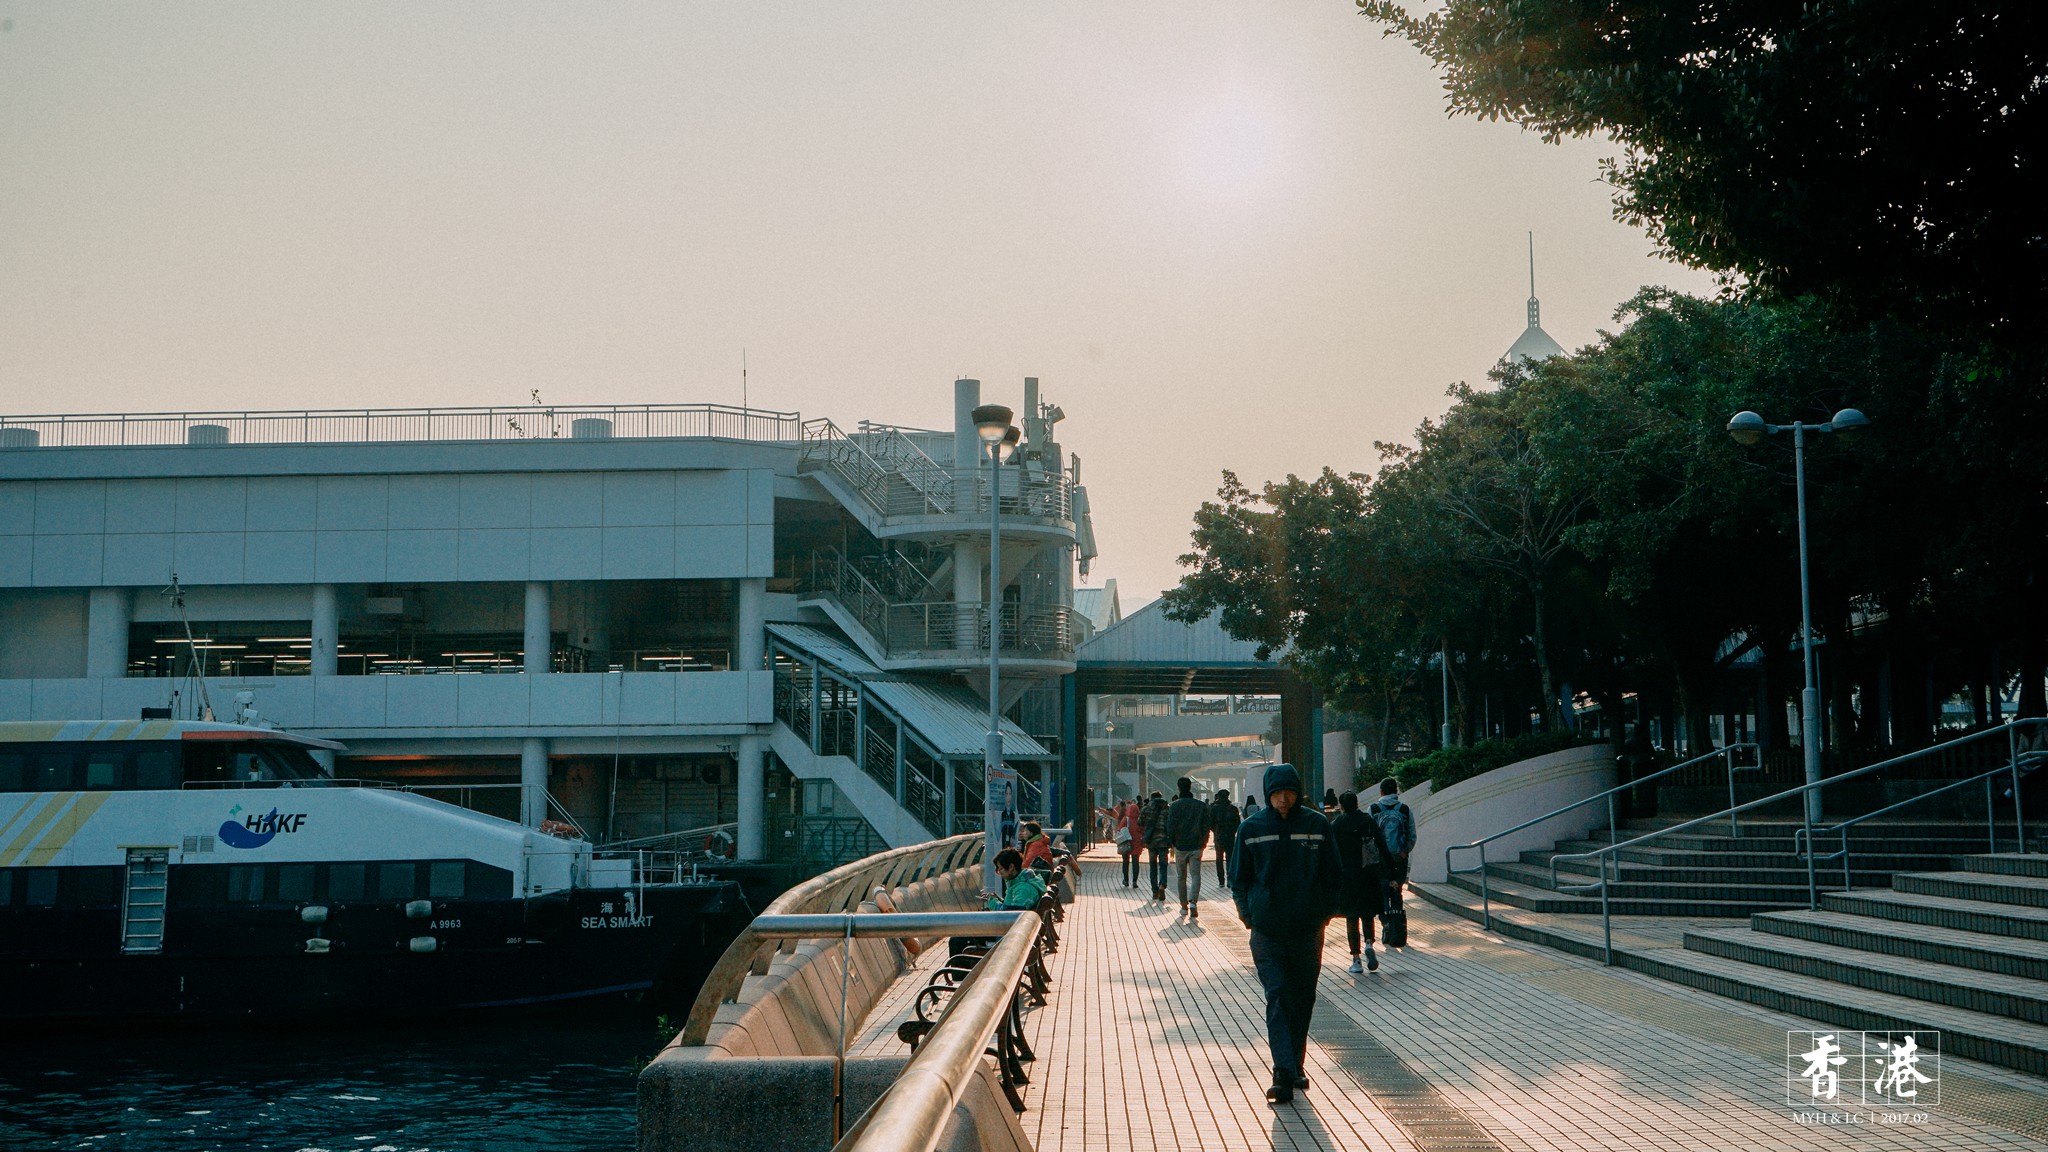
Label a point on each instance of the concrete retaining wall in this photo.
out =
(1503, 798)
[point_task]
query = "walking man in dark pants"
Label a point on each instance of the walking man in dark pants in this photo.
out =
(1284, 877)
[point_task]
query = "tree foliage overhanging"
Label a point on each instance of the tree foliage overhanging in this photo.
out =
(1590, 523)
(1881, 154)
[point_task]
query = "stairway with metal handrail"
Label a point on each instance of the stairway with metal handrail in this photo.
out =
(1606, 857)
(1726, 754)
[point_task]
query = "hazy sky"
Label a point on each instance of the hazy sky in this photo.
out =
(1224, 235)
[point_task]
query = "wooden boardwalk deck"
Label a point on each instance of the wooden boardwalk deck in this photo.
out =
(1154, 1037)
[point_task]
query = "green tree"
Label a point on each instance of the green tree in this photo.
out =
(1882, 155)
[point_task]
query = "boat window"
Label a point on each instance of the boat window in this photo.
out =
(295, 882)
(396, 881)
(344, 881)
(101, 768)
(6, 887)
(13, 766)
(50, 770)
(291, 762)
(444, 880)
(42, 886)
(245, 883)
(156, 768)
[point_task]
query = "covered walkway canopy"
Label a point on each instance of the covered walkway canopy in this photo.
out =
(1148, 654)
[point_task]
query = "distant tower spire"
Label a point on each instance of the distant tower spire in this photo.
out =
(1535, 343)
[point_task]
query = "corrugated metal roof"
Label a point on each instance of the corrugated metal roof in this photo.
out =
(1099, 605)
(949, 717)
(1148, 637)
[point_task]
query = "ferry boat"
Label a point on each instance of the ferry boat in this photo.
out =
(167, 868)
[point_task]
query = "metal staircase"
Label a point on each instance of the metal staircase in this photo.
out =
(881, 466)
(142, 904)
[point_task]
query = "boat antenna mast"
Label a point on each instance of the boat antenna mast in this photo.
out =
(195, 671)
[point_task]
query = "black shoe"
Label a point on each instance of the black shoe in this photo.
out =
(1301, 1081)
(1280, 1093)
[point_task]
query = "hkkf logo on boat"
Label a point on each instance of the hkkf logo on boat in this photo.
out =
(254, 831)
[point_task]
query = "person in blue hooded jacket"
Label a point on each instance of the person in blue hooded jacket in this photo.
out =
(1284, 878)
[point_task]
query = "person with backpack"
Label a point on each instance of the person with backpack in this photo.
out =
(1223, 821)
(1397, 825)
(1283, 880)
(1158, 842)
(1187, 825)
(1362, 860)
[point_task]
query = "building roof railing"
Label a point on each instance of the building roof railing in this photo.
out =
(402, 425)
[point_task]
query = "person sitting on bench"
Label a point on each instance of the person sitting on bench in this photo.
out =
(1021, 887)
(1036, 846)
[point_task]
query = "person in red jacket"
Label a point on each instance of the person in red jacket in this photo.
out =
(1036, 846)
(1132, 843)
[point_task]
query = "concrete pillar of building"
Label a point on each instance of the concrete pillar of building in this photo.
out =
(533, 781)
(966, 442)
(106, 633)
(968, 558)
(326, 630)
(540, 631)
(753, 815)
(750, 626)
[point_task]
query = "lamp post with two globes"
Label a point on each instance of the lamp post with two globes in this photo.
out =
(1749, 428)
(999, 440)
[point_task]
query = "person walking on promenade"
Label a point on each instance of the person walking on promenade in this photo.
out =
(1187, 824)
(1131, 842)
(1158, 842)
(1397, 825)
(1283, 879)
(1362, 860)
(1223, 822)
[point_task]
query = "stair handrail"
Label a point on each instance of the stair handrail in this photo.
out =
(825, 445)
(1726, 752)
(1806, 844)
(909, 461)
(1607, 855)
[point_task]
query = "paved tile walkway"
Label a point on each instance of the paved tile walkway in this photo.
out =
(1154, 1038)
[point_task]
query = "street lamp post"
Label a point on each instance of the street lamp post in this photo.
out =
(1749, 428)
(998, 441)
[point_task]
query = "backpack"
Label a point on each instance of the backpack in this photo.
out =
(1395, 824)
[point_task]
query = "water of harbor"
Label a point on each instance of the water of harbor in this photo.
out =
(551, 1085)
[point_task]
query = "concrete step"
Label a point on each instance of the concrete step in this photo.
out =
(1886, 862)
(2006, 955)
(1785, 872)
(2007, 864)
(1702, 840)
(1674, 888)
(1972, 1035)
(1997, 994)
(1979, 916)
(1533, 898)
(2027, 891)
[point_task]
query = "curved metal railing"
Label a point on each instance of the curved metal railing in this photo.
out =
(911, 1115)
(1605, 856)
(1726, 753)
(839, 891)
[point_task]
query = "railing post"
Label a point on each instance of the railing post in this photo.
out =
(1606, 923)
(1485, 893)
(1805, 837)
(1991, 815)
(2019, 823)
(1728, 762)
